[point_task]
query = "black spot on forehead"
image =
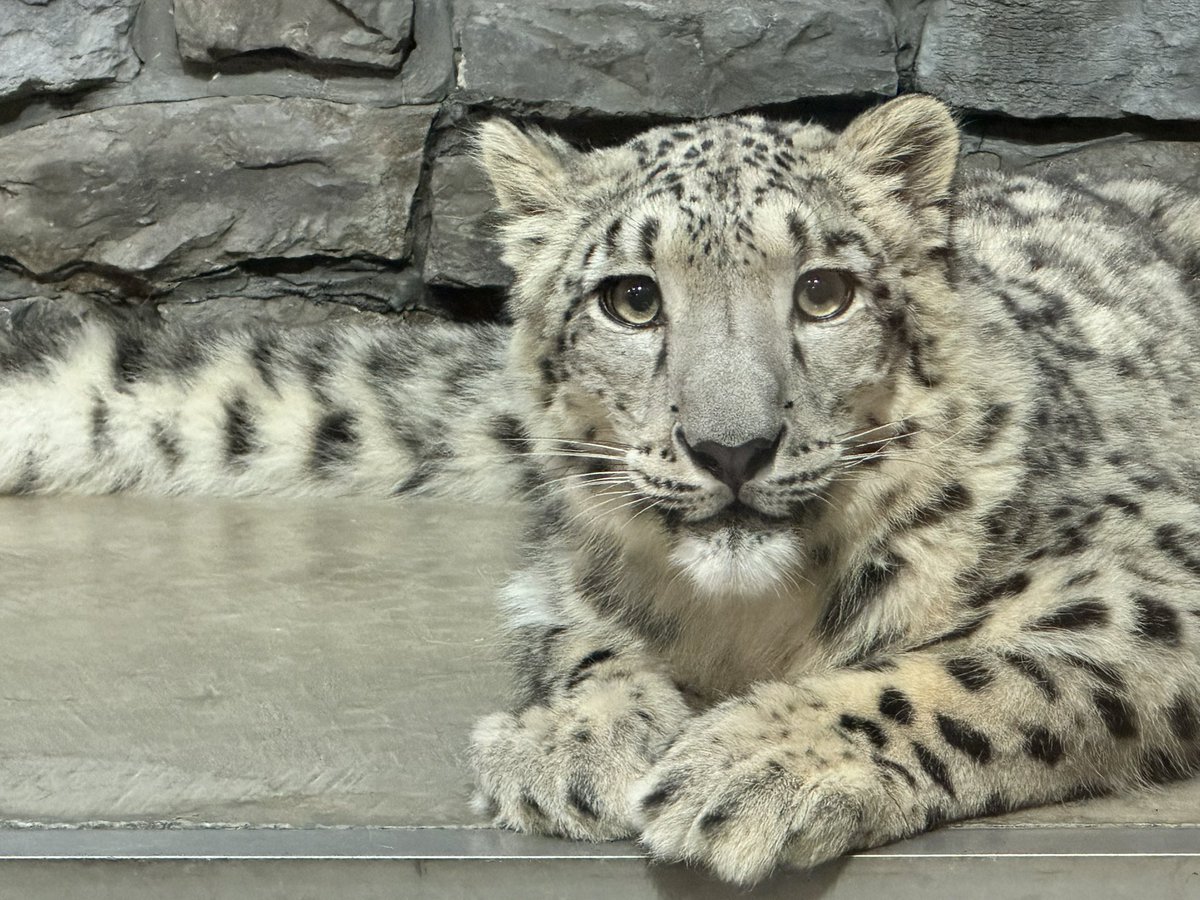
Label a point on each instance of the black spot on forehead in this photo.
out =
(702, 179)
(718, 153)
(611, 234)
(647, 235)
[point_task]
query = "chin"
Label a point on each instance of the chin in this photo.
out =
(736, 561)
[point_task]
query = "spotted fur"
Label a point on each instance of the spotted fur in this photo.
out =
(956, 573)
(90, 406)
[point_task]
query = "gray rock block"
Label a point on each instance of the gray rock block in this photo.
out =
(1103, 58)
(673, 57)
(284, 311)
(350, 283)
(317, 293)
(1116, 156)
(375, 33)
(158, 192)
(65, 45)
(460, 251)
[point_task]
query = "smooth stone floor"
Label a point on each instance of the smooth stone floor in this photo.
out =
(302, 662)
(241, 661)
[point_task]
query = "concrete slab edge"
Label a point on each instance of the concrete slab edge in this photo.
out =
(33, 842)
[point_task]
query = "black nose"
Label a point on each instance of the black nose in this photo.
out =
(732, 465)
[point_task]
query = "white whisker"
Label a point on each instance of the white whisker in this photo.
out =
(849, 436)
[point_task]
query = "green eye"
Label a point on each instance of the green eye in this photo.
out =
(824, 293)
(632, 300)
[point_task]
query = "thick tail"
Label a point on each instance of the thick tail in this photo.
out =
(90, 405)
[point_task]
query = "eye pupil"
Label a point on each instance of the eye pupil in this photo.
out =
(632, 300)
(819, 289)
(824, 293)
(639, 298)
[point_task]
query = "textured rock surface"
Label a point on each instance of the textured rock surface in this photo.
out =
(284, 312)
(1064, 58)
(315, 293)
(1118, 156)
(673, 57)
(910, 21)
(353, 283)
(64, 45)
(263, 180)
(460, 250)
(163, 191)
(359, 32)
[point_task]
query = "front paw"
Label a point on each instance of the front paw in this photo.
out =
(567, 768)
(761, 781)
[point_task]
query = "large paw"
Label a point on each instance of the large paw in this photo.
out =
(567, 768)
(774, 778)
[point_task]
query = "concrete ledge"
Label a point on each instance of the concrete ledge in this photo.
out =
(975, 841)
(969, 861)
(307, 672)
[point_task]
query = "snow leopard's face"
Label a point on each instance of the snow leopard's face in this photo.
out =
(723, 319)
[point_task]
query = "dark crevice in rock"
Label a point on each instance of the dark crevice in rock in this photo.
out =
(85, 278)
(590, 129)
(61, 104)
(832, 112)
(910, 25)
(469, 304)
(366, 283)
(292, 265)
(270, 61)
(420, 215)
(1063, 130)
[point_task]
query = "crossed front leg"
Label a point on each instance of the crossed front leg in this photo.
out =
(566, 763)
(800, 772)
(797, 774)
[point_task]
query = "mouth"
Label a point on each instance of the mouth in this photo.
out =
(738, 516)
(795, 509)
(740, 513)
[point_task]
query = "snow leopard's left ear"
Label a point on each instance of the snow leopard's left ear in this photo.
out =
(912, 141)
(528, 169)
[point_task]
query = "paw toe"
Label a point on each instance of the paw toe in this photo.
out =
(491, 730)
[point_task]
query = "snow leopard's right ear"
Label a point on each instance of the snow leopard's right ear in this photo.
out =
(528, 169)
(911, 143)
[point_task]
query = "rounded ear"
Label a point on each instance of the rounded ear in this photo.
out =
(528, 169)
(913, 140)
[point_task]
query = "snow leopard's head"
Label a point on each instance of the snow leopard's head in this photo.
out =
(728, 321)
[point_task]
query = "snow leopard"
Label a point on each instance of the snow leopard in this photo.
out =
(864, 492)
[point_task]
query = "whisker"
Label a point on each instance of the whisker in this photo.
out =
(817, 495)
(883, 441)
(592, 477)
(634, 502)
(569, 451)
(568, 454)
(598, 482)
(571, 442)
(854, 462)
(948, 437)
(653, 504)
(849, 436)
(595, 506)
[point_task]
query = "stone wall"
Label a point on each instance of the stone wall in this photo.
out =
(297, 159)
